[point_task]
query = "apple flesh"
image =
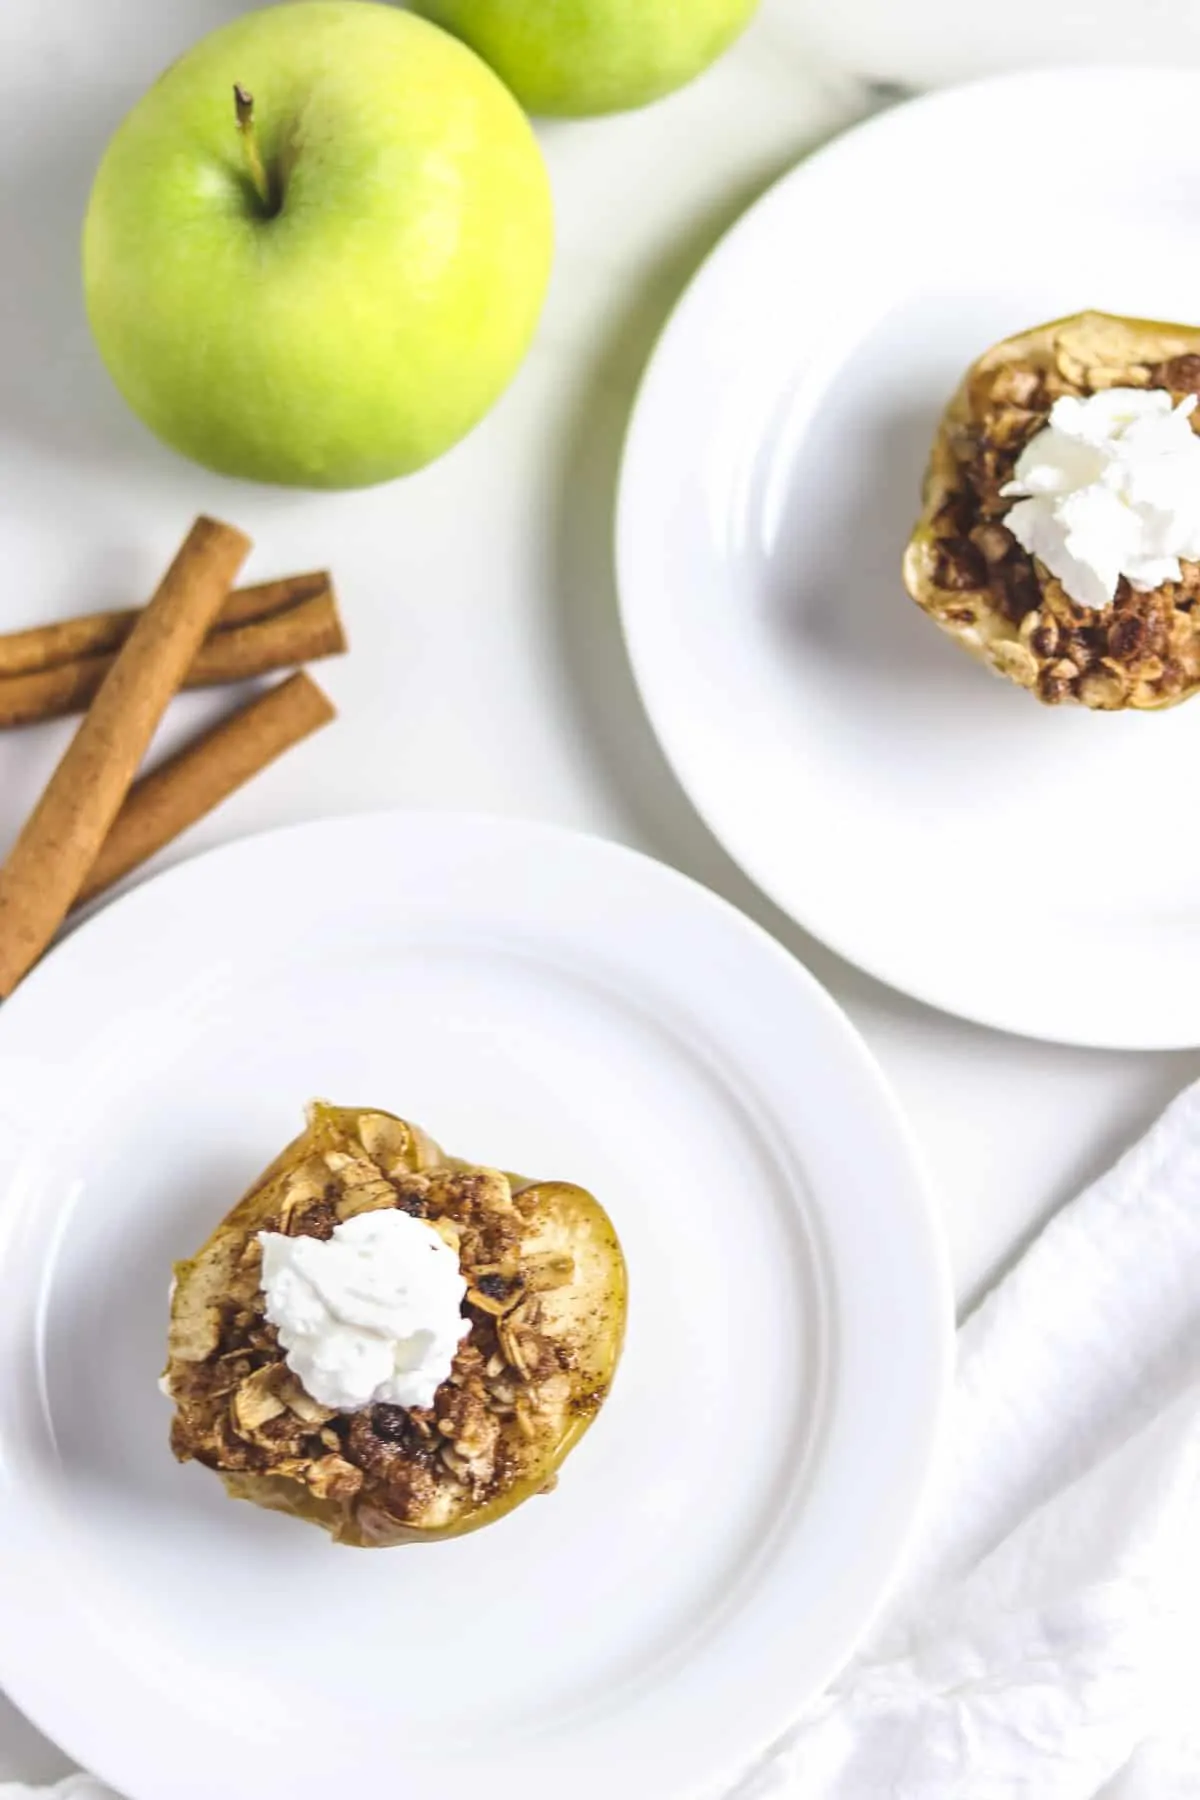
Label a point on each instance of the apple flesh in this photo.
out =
(578, 57)
(359, 316)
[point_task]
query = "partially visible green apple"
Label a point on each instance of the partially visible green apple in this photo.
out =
(361, 317)
(577, 57)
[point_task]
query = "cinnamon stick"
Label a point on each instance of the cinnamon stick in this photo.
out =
(191, 784)
(303, 634)
(61, 840)
(103, 633)
(300, 632)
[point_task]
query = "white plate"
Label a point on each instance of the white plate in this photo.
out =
(1037, 870)
(552, 1004)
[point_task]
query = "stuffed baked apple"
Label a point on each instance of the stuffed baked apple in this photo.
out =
(1060, 536)
(390, 1343)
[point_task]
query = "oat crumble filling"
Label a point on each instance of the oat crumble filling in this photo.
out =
(967, 570)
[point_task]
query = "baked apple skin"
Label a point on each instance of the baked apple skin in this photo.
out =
(547, 1300)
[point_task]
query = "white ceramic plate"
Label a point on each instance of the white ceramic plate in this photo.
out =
(548, 1003)
(1037, 870)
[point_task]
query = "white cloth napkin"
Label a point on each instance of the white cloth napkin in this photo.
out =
(1046, 1642)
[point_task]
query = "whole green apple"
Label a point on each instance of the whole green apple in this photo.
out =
(577, 57)
(327, 279)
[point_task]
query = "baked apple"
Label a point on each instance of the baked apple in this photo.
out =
(305, 1338)
(1059, 539)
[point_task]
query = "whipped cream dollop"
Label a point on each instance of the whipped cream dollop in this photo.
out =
(1110, 488)
(373, 1313)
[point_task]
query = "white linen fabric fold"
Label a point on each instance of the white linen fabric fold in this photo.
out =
(1045, 1642)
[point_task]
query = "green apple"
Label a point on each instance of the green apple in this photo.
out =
(576, 57)
(329, 280)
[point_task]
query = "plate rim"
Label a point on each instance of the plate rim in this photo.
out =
(920, 1211)
(1163, 1023)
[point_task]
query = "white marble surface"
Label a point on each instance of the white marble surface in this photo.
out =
(488, 669)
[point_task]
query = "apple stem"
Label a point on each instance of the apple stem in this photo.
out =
(260, 181)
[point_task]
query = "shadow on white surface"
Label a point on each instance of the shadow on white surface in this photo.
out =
(839, 602)
(25, 1755)
(117, 1456)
